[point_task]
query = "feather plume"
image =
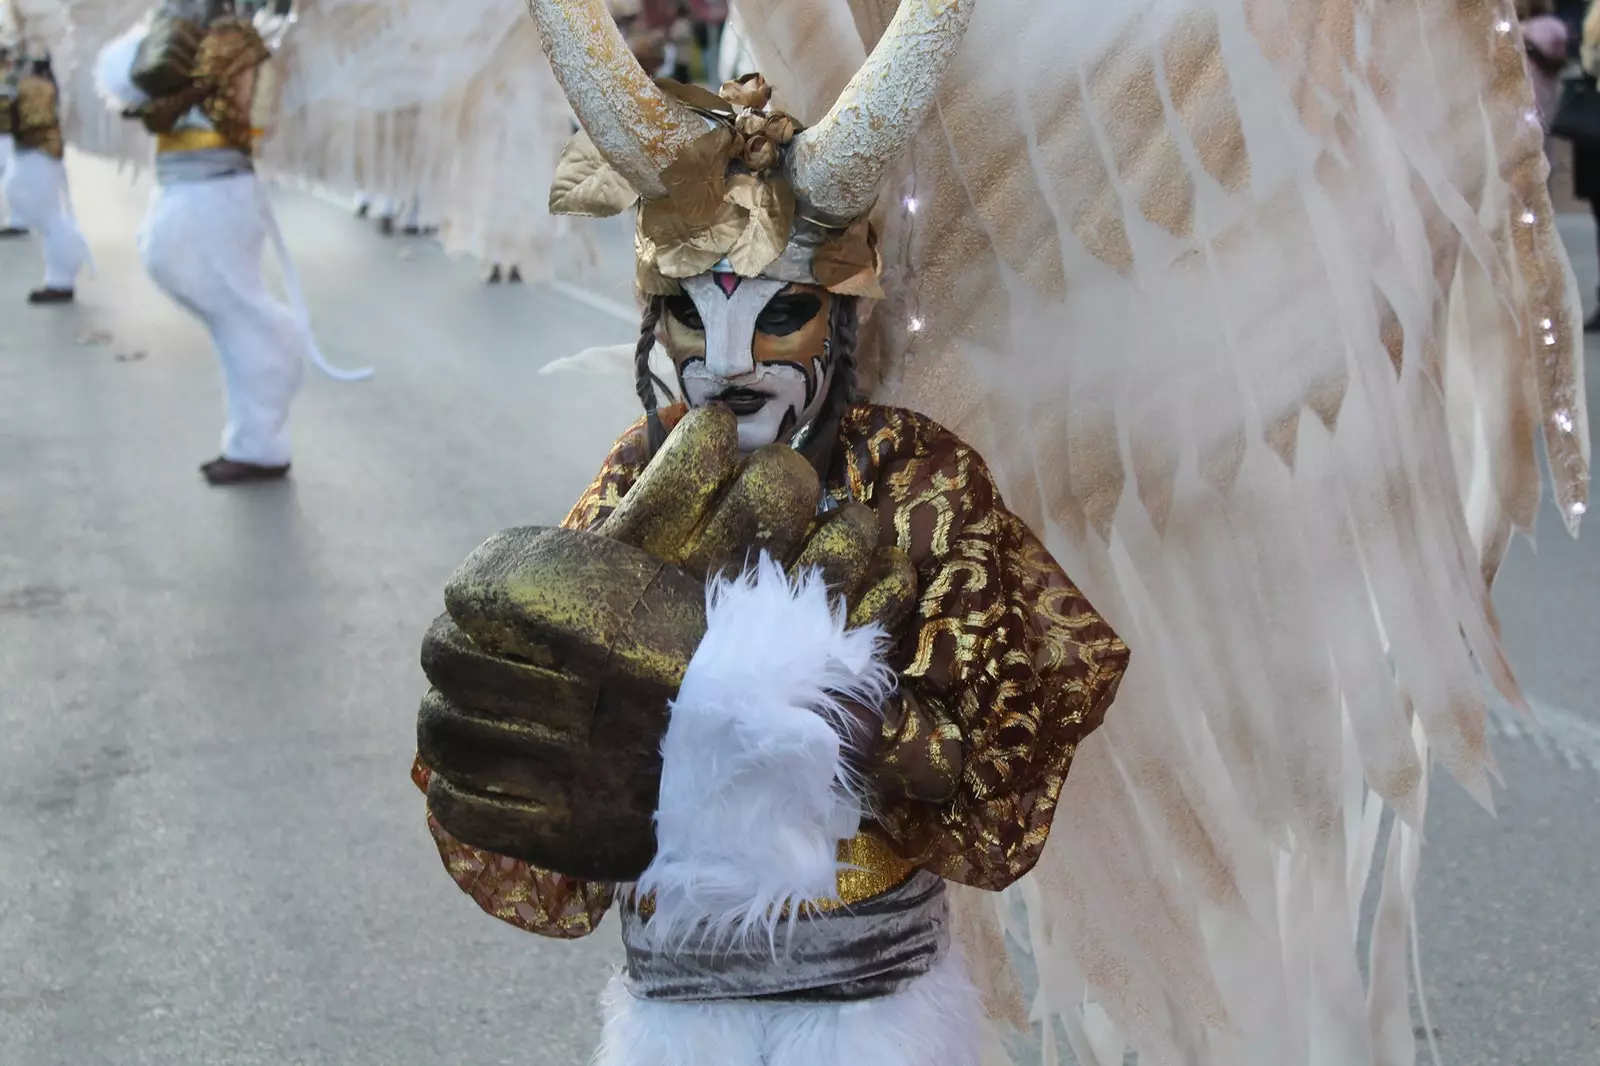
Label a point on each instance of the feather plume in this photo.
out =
(1258, 311)
(756, 794)
(113, 67)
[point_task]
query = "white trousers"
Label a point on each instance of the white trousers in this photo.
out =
(201, 243)
(8, 152)
(36, 190)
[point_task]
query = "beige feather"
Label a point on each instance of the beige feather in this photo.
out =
(1275, 289)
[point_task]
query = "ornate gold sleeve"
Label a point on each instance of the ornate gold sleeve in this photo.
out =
(531, 899)
(226, 64)
(919, 751)
(38, 125)
(1004, 653)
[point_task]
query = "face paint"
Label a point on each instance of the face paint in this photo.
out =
(760, 347)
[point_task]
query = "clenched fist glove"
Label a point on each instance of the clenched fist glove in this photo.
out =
(560, 649)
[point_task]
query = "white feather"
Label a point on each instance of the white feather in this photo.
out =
(617, 361)
(1285, 490)
(113, 67)
(936, 1020)
(755, 791)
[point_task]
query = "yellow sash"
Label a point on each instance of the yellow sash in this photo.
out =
(194, 140)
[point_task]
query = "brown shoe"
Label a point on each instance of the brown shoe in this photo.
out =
(231, 472)
(50, 296)
(13, 231)
(515, 276)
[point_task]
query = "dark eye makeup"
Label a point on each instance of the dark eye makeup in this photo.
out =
(682, 308)
(788, 312)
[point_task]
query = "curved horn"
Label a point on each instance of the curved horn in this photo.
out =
(637, 127)
(837, 165)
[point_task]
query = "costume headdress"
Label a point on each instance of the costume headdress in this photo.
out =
(728, 183)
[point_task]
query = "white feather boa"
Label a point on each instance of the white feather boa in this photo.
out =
(755, 791)
(113, 67)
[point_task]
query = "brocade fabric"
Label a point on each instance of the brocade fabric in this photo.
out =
(37, 126)
(1006, 665)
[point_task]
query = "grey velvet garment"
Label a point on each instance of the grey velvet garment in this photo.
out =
(207, 164)
(863, 952)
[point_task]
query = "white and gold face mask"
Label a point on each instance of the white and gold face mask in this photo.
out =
(751, 226)
(762, 348)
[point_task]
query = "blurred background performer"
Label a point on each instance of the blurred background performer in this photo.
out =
(36, 180)
(9, 226)
(198, 77)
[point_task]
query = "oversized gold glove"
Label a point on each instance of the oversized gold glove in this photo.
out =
(554, 664)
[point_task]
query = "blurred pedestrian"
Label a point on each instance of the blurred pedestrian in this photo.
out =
(708, 17)
(1586, 152)
(1545, 41)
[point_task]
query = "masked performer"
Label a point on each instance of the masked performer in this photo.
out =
(825, 774)
(199, 79)
(9, 226)
(36, 180)
(1258, 348)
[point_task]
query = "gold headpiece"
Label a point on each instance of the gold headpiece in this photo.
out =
(726, 182)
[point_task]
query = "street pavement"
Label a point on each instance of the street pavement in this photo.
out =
(210, 852)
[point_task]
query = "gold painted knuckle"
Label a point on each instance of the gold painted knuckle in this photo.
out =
(769, 506)
(889, 593)
(842, 546)
(581, 604)
(675, 493)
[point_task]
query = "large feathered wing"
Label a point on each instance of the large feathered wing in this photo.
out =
(90, 125)
(452, 104)
(1258, 310)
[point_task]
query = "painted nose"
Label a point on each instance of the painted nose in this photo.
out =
(730, 360)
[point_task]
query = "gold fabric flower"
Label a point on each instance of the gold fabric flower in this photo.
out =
(751, 91)
(760, 154)
(750, 123)
(781, 128)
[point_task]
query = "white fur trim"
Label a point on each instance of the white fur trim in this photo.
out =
(936, 1020)
(113, 67)
(755, 792)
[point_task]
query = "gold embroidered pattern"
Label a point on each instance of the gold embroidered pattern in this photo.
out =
(228, 57)
(515, 892)
(38, 124)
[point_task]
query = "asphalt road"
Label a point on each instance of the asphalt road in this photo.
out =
(209, 849)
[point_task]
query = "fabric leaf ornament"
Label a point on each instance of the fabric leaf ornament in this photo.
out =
(682, 247)
(698, 179)
(696, 97)
(586, 185)
(769, 210)
(848, 264)
(750, 91)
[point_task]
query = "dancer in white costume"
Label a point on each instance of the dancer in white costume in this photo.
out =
(9, 227)
(36, 180)
(198, 78)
